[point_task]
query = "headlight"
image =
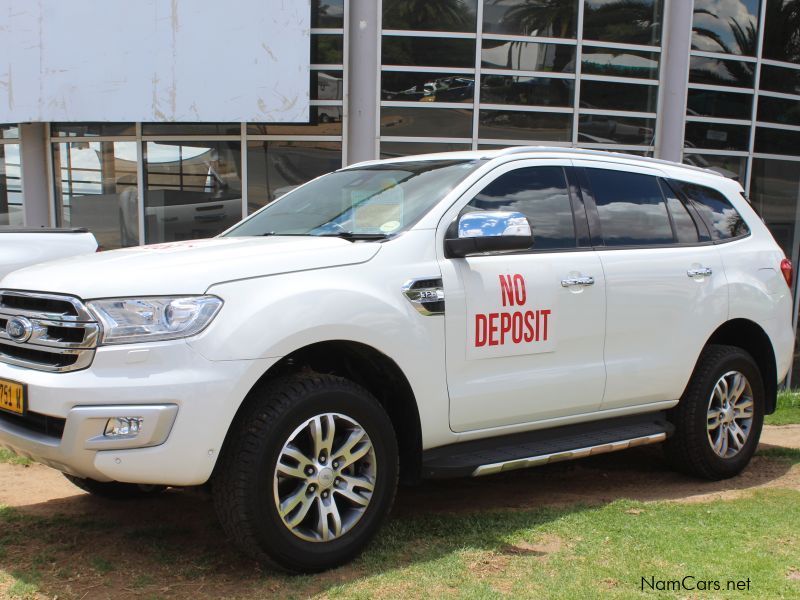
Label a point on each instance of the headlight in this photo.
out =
(127, 320)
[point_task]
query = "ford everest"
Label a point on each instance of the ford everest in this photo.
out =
(447, 315)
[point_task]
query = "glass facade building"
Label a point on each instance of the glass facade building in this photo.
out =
(456, 75)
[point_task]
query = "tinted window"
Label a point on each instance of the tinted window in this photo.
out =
(685, 227)
(724, 221)
(631, 208)
(540, 193)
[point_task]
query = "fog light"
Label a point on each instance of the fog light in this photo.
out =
(123, 426)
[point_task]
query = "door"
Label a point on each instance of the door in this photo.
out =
(524, 331)
(665, 286)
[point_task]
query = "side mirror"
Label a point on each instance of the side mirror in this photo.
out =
(488, 231)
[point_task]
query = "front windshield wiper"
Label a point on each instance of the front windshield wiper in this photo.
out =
(353, 236)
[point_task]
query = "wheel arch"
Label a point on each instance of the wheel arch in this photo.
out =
(371, 369)
(751, 337)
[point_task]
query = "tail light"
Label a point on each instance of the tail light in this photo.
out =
(786, 269)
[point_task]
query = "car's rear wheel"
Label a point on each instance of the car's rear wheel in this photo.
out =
(115, 490)
(309, 473)
(719, 418)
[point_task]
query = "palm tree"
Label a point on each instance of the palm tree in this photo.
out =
(745, 42)
(551, 18)
(782, 33)
(452, 15)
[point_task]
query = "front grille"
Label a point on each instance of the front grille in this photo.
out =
(63, 334)
(38, 423)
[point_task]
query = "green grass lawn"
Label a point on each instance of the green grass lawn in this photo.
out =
(623, 549)
(788, 411)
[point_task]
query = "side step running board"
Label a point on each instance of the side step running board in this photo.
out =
(543, 459)
(529, 449)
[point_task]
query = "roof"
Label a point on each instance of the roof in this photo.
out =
(544, 151)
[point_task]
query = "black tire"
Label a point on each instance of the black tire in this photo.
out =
(115, 490)
(689, 448)
(243, 482)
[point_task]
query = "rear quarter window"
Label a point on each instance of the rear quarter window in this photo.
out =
(720, 216)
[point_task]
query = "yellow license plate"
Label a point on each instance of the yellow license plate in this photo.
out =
(12, 396)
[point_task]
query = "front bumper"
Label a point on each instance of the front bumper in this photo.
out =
(186, 402)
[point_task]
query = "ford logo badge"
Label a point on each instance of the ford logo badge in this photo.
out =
(19, 329)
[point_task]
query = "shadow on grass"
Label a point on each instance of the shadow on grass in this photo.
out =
(172, 545)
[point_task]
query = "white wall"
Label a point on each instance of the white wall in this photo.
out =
(154, 60)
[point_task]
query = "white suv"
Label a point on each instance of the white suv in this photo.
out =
(437, 316)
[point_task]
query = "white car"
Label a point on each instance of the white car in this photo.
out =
(21, 246)
(445, 315)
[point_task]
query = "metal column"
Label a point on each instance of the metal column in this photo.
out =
(35, 181)
(677, 34)
(364, 36)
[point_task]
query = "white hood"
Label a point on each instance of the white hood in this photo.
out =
(188, 267)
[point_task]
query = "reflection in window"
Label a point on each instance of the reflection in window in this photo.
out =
(193, 189)
(780, 79)
(716, 210)
(11, 209)
(539, 193)
(96, 188)
(327, 49)
(714, 71)
(323, 120)
(327, 13)
(685, 227)
(778, 110)
(430, 15)
(619, 63)
(528, 56)
(519, 125)
(607, 129)
(427, 87)
(9, 132)
(726, 105)
(777, 141)
(426, 122)
(619, 96)
(729, 166)
(91, 129)
(274, 168)
(427, 52)
(327, 85)
(542, 18)
(191, 129)
(782, 22)
(398, 149)
(624, 21)
(717, 136)
(775, 193)
(729, 26)
(526, 91)
(631, 208)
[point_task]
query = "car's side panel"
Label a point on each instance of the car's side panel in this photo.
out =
(275, 316)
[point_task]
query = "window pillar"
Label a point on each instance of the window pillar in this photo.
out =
(674, 78)
(33, 171)
(364, 23)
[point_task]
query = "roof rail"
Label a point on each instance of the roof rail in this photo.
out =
(606, 153)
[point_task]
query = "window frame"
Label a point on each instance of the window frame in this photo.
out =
(577, 205)
(675, 185)
(598, 241)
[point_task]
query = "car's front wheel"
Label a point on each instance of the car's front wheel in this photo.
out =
(309, 473)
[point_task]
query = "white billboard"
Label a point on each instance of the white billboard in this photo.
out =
(154, 60)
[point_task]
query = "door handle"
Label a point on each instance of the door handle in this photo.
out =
(699, 272)
(584, 280)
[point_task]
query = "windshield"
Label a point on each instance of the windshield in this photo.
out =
(370, 202)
